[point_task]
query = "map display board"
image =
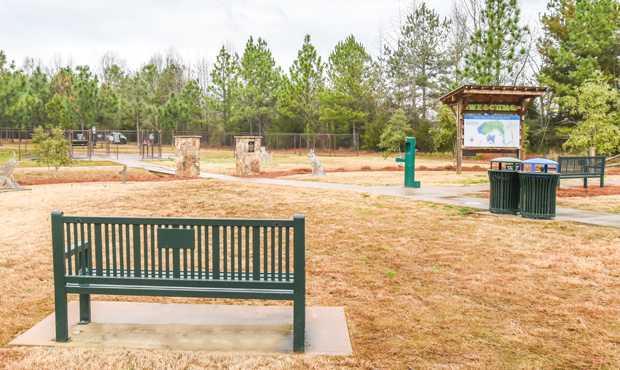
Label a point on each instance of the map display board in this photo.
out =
(492, 131)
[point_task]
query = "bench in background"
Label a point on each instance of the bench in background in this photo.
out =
(178, 257)
(582, 167)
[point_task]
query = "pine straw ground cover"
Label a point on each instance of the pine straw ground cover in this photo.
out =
(423, 286)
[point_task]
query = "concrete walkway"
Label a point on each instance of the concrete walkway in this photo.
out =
(438, 194)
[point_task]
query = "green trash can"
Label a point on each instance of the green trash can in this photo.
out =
(538, 191)
(504, 196)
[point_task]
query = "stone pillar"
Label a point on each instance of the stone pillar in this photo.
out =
(248, 155)
(187, 150)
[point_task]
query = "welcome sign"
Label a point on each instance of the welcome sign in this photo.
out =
(493, 107)
(492, 131)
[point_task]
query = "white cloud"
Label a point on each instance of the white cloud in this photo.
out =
(137, 29)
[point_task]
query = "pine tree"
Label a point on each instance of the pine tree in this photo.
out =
(136, 111)
(581, 36)
(173, 115)
(84, 96)
(345, 103)
(497, 45)
(298, 99)
(255, 97)
(224, 81)
(418, 64)
(16, 101)
(52, 150)
(393, 137)
(192, 98)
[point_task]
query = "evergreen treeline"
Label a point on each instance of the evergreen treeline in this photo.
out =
(575, 45)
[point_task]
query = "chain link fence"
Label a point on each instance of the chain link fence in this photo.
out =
(150, 143)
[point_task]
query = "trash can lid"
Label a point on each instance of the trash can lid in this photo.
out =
(540, 161)
(506, 160)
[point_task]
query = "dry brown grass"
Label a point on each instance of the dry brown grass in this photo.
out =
(379, 178)
(36, 176)
(606, 203)
(223, 162)
(469, 291)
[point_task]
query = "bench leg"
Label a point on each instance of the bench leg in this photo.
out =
(62, 316)
(299, 323)
(84, 308)
(585, 182)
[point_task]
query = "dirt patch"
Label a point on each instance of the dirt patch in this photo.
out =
(591, 191)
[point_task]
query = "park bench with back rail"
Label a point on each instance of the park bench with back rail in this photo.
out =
(582, 167)
(178, 257)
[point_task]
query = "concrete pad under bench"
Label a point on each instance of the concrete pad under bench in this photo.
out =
(196, 327)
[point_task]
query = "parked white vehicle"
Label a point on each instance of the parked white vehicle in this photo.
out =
(117, 137)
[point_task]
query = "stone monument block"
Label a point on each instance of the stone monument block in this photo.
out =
(248, 155)
(187, 150)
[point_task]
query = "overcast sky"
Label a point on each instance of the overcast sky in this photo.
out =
(136, 29)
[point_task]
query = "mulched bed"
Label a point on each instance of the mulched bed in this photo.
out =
(591, 191)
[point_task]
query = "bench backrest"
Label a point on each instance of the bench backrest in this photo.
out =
(179, 248)
(581, 165)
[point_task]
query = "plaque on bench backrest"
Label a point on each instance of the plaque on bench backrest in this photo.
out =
(176, 238)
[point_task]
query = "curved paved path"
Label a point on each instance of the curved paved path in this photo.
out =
(429, 193)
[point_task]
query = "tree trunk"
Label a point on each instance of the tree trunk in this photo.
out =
(424, 102)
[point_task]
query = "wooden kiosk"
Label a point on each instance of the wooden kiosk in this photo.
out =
(490, 119)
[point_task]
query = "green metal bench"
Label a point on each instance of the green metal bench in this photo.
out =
(582, 167)
(178, 257)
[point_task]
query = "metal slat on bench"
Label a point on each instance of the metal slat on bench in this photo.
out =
(247, 252)
(255, 253)
(128, 249)
(272, 231)
(215, 240)
(73, 251)
(98, 250)
(67, 247)
(280, 254)
(288, 253)
(137, 268)
(121, 250)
